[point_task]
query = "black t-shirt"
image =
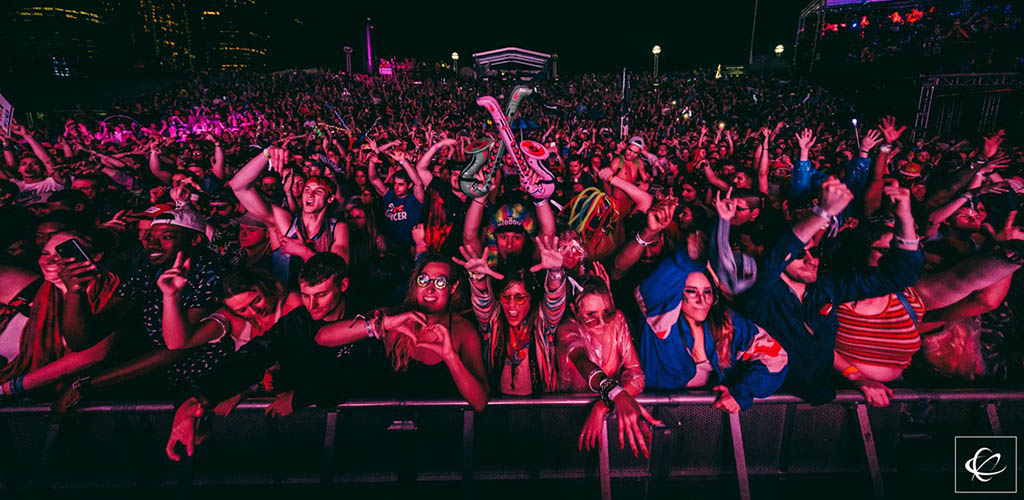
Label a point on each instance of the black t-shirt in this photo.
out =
(569, 186)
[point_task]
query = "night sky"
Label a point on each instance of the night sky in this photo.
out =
(588, 37)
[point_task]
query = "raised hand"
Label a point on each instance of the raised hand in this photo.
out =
(805, 139)
(992, 143)
(870, 140)
(889, 130)
(419, 234)
(173, 280)
(660, 215)
(278, 159)
(726, 207)
(1008, 232)
(550, 257)
(76, 275)
(476, 264)
(899, 198)
(835, 196)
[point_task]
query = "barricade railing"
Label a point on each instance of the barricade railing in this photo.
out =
(696, 440)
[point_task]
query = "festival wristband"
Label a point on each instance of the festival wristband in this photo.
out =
(820, 212)
(910, 243)
(590, 378)
(849, 371)
(614, 393)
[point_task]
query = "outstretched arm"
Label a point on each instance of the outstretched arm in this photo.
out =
(423, 164)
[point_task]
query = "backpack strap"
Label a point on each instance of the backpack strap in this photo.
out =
(906, 305)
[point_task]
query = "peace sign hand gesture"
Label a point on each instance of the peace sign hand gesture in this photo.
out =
(174, 279)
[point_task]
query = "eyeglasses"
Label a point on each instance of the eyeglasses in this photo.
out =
(440, 282)
(517, 299)
(814, 252)
(598, 318)
(695, 295)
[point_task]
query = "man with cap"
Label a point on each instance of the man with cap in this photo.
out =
(176, 238)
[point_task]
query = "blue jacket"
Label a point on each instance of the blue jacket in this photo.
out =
(758, 363)
(807, 328)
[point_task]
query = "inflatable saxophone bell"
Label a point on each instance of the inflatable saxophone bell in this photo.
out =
(472, 184)
(527, 156)
(486, 158)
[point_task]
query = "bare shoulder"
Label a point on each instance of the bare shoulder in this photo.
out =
(462, 329)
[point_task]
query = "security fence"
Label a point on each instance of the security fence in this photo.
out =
(121, 445)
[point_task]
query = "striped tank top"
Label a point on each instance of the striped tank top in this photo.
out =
(889, 338)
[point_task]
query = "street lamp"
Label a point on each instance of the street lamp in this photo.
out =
(348, 59)
(455, 62)
(656, 50)
(779, 49)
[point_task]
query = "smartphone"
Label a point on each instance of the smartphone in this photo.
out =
(72, 249)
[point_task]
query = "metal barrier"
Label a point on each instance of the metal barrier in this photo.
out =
(784, 437)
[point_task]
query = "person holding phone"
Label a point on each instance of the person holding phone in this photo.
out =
(70, 261)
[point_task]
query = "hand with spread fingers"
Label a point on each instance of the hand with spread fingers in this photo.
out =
(476, 265)
(550, 257)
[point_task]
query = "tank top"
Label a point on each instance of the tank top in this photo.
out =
(889, 338)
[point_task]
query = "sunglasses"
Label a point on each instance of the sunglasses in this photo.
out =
(595, 319)
(440, 282)
(813, 252)
(695, 295)
(517, 299)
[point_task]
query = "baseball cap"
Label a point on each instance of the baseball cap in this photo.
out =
(911, 170)
(249, 220)
(156, 210)
(638, 141)
(188, 219)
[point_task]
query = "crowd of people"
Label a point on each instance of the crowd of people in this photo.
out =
(313, 237)
(936, 36)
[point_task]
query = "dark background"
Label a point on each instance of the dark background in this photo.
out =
(587, 36)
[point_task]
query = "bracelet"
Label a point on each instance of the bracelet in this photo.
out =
(640, 241)
(969, 196)
(885, 148)
(476, 276)
(590, 378)
(221, 320)
(538, 203)
(605, 388)
(378, 325)
(820, 212)
(266, 152)
(849, 371)
(614, 393)
(903, 241)
(557, 275)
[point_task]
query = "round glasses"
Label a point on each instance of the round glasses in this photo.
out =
(440, 282)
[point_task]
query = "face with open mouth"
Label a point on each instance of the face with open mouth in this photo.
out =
(515, 303)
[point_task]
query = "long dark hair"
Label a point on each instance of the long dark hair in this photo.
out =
(720, 323)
